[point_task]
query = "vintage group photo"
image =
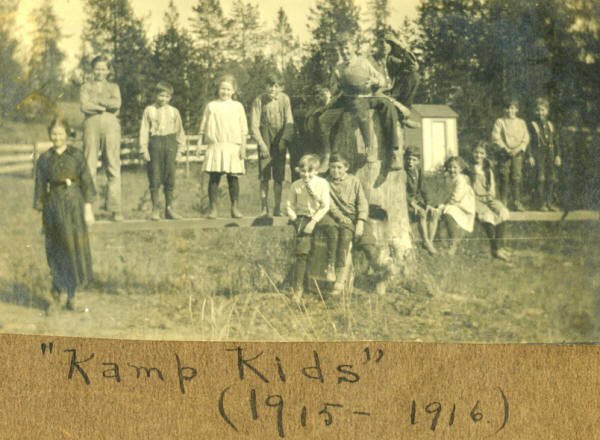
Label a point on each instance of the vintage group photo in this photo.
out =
(423, 170)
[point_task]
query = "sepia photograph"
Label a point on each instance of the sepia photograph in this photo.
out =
(301, 170)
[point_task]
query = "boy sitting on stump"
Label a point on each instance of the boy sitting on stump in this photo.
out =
(418, 209)
(350, 209)
(353, 83)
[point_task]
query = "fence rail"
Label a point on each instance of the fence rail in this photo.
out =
(21, 158)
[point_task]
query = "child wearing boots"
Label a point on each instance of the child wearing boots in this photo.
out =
(307, 207)
(273, 129)
(490, 211)
(545, 156)
(224, 130)
(161, 136)
(511, 136)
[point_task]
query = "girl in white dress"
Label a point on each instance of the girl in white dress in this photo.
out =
(224, 129)
(459, 210)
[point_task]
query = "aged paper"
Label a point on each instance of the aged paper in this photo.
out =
(164, 342)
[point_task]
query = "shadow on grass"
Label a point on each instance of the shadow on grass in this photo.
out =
(22, 295)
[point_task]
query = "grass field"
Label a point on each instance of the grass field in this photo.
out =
(229, 283)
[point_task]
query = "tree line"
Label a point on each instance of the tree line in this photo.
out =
(473, 54)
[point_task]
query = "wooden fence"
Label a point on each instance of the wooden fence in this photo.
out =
(21, 158)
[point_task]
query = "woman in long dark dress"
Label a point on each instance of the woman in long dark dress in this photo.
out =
(64, 191)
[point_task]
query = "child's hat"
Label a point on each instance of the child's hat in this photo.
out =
(412, 151)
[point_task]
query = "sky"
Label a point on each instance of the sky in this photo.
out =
(72, 17)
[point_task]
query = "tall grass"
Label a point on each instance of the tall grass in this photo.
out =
(232, 283)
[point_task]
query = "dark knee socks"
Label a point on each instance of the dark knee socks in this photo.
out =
(496, 235)
(213, 188)
(234, 187)
(490, 231)
(300, 272)
(371, 253)
(500, 233)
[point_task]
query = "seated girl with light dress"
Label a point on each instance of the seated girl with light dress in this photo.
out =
(458, 211)
(491, 212)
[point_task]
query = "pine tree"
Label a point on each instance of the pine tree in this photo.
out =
(480, 52)
(11, 87)
(113, 30)
(210, 30)
(45, 62)
(456, 40)
(285, 45)
(173, 61)
(327, 20)
(246, 35)
(379, 14)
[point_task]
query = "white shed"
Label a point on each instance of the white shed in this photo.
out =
(437, 137)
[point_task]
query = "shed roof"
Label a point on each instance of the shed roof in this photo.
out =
(434, 111)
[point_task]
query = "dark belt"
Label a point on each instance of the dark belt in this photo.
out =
(62, 184)
(163, 136)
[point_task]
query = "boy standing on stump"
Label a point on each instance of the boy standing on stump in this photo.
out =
(161, 136)
(273, 129)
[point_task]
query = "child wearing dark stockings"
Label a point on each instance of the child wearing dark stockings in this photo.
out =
(161, 135)
(224, 129)
(491, 212)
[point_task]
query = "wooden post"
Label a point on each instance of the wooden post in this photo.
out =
(187, 157)
(34, 158)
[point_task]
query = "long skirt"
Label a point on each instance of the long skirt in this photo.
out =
(67, 243)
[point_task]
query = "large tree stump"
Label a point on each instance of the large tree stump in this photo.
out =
(386, 192)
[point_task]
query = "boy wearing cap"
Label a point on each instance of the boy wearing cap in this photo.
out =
(402, 68)
(161, 135)
(272, 126)
(418, 209)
